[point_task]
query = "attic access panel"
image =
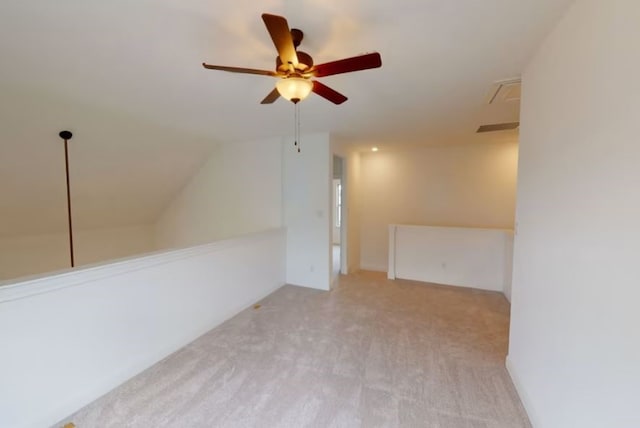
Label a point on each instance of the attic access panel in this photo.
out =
(498, 127)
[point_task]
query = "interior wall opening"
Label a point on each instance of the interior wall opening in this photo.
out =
(338, 220)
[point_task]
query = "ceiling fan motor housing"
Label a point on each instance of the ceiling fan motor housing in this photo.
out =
(305, 62)
(296, 36)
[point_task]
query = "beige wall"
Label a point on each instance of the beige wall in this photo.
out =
(30, 255)
(351, 200)
(466, 186)
(237, 191)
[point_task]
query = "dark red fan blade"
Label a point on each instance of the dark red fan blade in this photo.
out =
(240, 70)
(272, 97)
(278, 28)
(326, 92)
(362, 62)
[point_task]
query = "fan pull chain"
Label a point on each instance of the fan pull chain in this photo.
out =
(298, 126)
(295, 128)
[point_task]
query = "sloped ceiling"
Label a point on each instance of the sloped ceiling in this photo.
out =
(125, 77)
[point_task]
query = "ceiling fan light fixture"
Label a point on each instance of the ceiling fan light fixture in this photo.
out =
(294, 89)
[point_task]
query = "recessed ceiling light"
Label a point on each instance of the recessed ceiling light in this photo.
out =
(374, 149)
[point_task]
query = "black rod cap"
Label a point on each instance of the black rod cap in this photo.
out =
(65, 135)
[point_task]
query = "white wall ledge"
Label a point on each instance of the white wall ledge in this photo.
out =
(20, 288)
(460, 256)
(92, 328)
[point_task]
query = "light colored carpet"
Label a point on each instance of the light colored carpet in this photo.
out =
(372, 353)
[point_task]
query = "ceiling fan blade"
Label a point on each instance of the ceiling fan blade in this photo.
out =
(281, 35)
(240, 70)
(362, 62)
(272, 97)
(326, 92)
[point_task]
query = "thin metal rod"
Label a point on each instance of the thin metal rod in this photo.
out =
(66, 164)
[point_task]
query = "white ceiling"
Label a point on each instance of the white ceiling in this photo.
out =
(125, 76)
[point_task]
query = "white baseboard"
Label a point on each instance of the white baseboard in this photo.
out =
(507, 296)
(524, 397)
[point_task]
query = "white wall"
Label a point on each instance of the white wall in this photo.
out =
(466, 257)
(459, 186)
(337, 168)
(335, 231)
(68, 339)
(30, 255)
(307, 215)
(575, 348)
(237, 191)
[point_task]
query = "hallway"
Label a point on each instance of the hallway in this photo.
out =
(370, 353)
(335, 262)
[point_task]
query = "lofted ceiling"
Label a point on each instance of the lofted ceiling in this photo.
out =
(126, 77)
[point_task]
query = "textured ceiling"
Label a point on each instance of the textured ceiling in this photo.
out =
(125, 76)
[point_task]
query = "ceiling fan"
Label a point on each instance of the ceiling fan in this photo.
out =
(295, 69)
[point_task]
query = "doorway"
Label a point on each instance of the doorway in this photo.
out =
(338, 227)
